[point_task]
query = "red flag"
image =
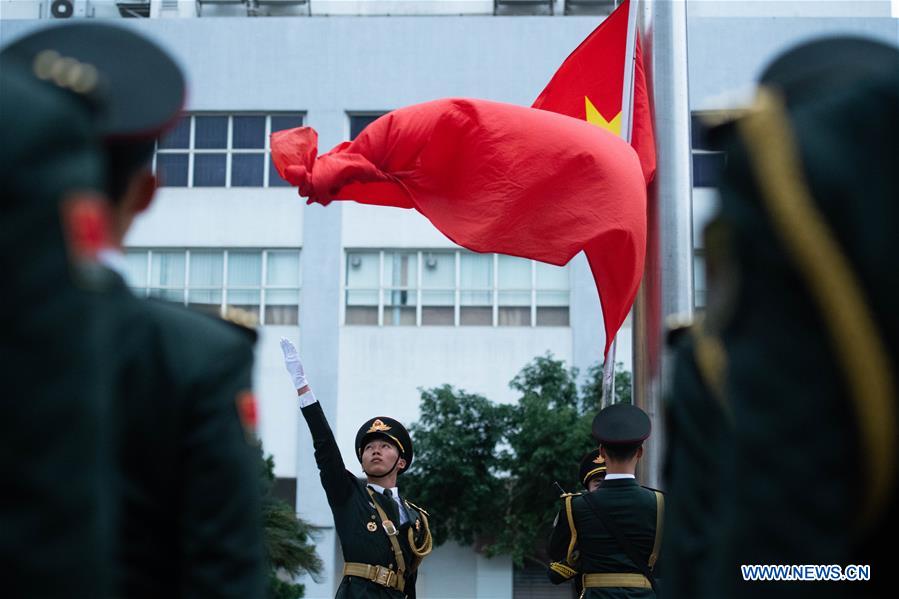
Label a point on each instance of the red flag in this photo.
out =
(590, 86)
(493, 177)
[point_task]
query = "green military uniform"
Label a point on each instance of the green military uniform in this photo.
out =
(697, 424)
(381, 556)
(591, 467)
(54, 528)
(188, 523)
(809, 203)
(582, 540)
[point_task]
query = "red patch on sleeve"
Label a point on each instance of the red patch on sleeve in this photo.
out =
(246, 410)
(86, 221)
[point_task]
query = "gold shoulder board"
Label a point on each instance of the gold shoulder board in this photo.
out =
(412, 505)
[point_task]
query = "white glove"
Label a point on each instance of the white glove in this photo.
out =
(293, 364)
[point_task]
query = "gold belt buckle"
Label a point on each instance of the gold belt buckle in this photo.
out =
(383, 576)
(389, 527)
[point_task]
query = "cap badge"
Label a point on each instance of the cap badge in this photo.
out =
(599, 460)
(80, 77)
(377, 427)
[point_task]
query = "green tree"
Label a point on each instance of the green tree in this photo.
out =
(456, 456)
(288, 539)
(486, 471)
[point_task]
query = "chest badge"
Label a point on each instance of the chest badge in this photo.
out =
(371, 526)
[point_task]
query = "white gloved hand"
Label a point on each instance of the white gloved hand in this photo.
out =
(293, 364)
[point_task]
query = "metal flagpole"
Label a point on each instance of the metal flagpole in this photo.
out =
(608, 377)
(668, 277)
(627, 120)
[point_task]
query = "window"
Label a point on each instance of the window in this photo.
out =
(699, 284)
(401, 287)
(708, 161)
(363, 288)
(707, 168)
(360, 121)
(220, 150)
(513, 280)
(438, 288)
(453, 288)
(205, 283)
(551, 288)
(285, 489)
(263, 282)
(476, 289)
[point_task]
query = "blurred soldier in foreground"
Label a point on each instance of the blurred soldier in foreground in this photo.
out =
(189, 522)
(697, 426)
(810, 325)
(54, 513)
(591, 472)
(611, 536)
(384, 538)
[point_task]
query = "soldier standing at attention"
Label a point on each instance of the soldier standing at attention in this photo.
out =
(54, 515)
(811, 331)
(698, 424)
(591, 472)
(188, 519)
(384, 537)
(612, 536)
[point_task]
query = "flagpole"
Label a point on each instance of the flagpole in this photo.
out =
(668, 277)
(627, 120)
(627, 98)
(608, 377)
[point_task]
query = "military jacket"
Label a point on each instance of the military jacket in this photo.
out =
(356, 520)
(54, 515)
(593, 549)
(698, 422)
(190, 523)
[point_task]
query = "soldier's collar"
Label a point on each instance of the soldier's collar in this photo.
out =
(380, 489)
(619, 476)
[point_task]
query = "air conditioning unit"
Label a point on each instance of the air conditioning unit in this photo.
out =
(136, 9)
(62, 9)
(66, 9)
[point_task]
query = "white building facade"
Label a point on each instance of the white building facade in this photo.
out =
(380, 302)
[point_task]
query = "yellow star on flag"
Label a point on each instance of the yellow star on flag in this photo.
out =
(594, 117)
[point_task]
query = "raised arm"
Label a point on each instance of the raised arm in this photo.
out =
(337, 482)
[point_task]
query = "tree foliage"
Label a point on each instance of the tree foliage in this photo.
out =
(485, 471)
(288, 539)
(456, 442)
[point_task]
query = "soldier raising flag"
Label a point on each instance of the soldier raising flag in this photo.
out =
(384, 536)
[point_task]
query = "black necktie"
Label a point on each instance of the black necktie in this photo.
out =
(393, 511)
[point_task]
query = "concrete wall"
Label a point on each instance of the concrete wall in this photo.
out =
(727, 56)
